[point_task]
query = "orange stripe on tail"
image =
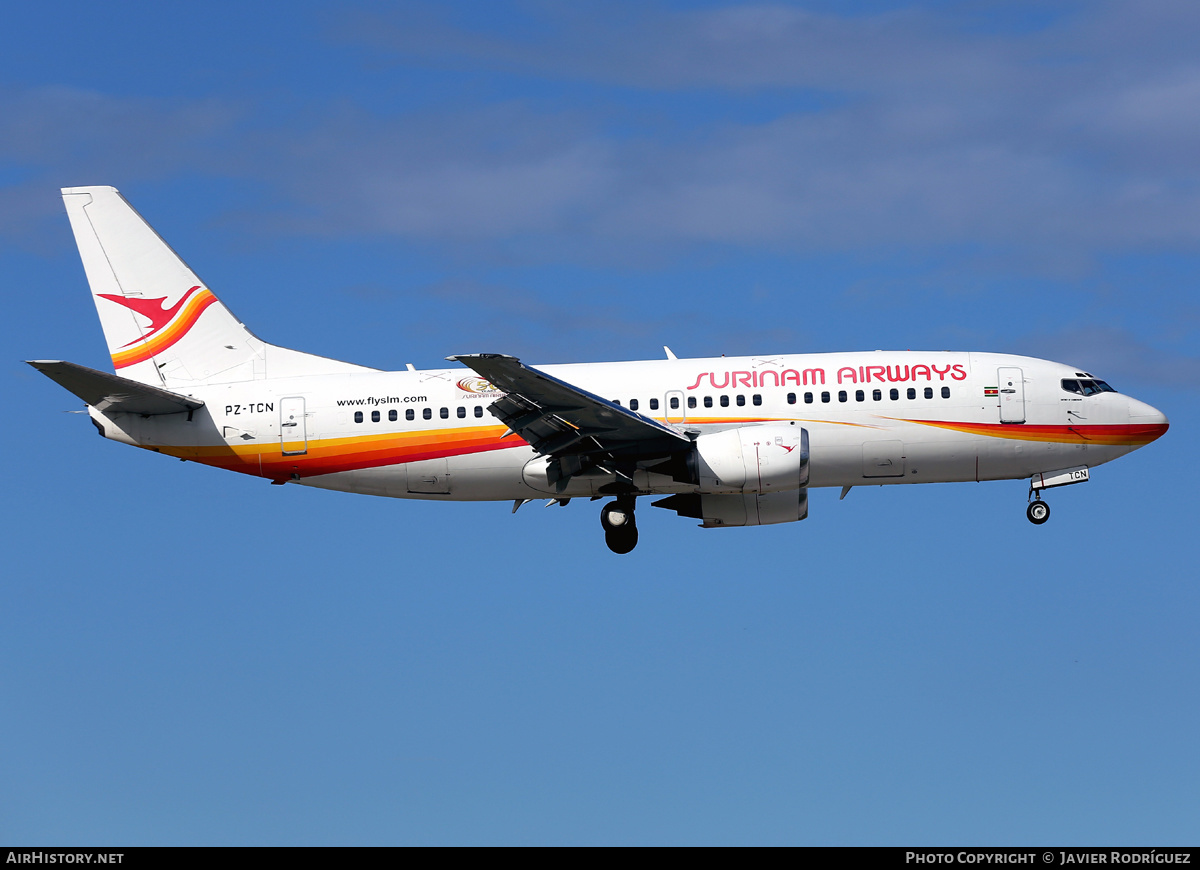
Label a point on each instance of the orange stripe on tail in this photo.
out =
(157, 342)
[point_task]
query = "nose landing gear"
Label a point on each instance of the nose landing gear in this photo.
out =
(1038, 511)
(620, 528)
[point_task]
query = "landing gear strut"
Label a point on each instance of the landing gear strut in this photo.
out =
(620, 528)
(1038, 511)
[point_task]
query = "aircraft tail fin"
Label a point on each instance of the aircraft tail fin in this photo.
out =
(163, 325)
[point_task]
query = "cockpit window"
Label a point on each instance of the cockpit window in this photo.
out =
(1086, 386)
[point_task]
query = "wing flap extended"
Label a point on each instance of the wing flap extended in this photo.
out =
(558, 418)
(108, 392)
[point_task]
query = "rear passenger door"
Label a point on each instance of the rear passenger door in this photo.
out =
(293, 432)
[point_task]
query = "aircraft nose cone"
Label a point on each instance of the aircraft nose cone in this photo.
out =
(1146, 423)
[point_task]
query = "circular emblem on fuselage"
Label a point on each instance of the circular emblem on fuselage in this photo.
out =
(476, 385)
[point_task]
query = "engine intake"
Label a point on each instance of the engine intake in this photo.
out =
(771, 457)
(749, 476)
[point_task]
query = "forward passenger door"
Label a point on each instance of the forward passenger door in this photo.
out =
(1012, 395)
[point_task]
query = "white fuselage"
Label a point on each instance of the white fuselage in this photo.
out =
(872, 418)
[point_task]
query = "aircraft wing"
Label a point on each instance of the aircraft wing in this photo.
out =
(559, 419)
(105, 391)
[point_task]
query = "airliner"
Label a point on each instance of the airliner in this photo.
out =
(730, 441)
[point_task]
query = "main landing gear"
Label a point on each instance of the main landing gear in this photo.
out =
(620, 528)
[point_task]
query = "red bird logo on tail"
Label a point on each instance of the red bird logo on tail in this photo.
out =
(167, 325)
(151, 309)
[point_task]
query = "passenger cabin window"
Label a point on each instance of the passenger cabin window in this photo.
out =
(691, 401)
(945, 392)
(860, 396)
(741, 400)
(393, 415)
(444, 413)
(479, 410)
(808, 398)
(374, 416)
(410, 414)
(633, 404)
(756, 398)
(877, 395)
(825, 396)
(708, 401)
(462, 411)
(894, 394)
(654, 404)
(791, 398)
(724, 401)
(674, 403)
(912, 393)
(427, 413)
(842, 395)
(358, 417)
(929, 392)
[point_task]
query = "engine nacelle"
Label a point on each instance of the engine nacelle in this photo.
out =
(771, 457)
(723, 511)
(751, 476)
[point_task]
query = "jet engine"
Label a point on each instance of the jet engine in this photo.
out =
(748, 476)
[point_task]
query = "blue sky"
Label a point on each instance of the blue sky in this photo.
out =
(194, 657)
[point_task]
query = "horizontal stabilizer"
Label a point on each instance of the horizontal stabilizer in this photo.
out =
(107, 392)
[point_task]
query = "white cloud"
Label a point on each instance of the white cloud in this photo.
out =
(1116, 355)
(1053, 143)
(86, 132)
(940, 131)
(53, 137)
